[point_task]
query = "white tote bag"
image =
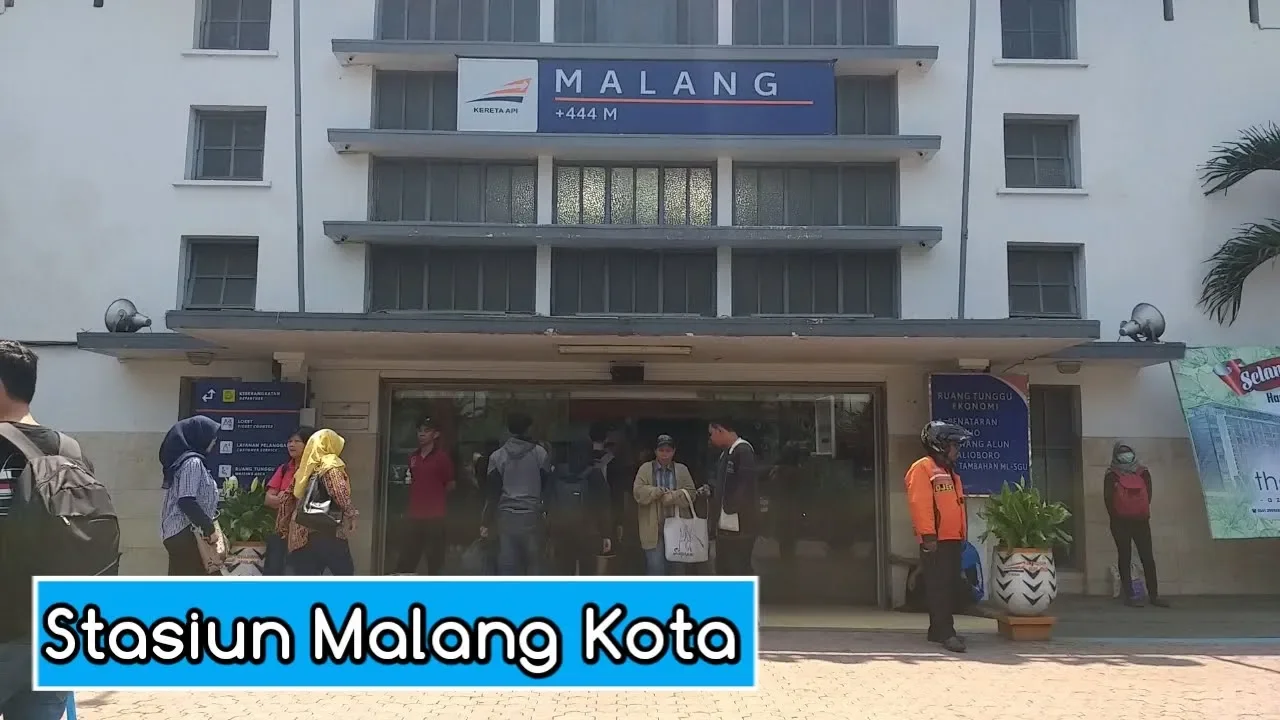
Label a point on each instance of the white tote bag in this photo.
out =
(685, 538)
(729, 522)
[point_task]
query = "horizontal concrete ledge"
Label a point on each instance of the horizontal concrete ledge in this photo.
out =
(121, 345)
(589, 146)
(442, 56)
(667, 237)
(1125, 351)
(496, 324)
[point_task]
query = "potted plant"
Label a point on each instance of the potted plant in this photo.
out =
(245, 520)
(1026, 529)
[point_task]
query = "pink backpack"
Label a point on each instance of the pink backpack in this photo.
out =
(1131, 499)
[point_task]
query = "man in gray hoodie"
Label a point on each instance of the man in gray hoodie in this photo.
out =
(518, 473)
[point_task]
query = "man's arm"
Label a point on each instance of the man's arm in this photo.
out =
(1109, 492)
(492, 490)
(1146, 476)
(920, 502)
(643, 489)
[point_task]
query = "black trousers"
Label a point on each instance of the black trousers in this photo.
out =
(941, 577)
(421, 537)
(184, 554)
(1127, 534)
(324, 552)
(733, 553)
(574, 551)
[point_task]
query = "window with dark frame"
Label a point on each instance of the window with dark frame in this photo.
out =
(442, 191)
(633, 282)
(1043, 282)
(459, 20)
(815, 283)
(1038, 154)
(866, 105)
(221, 274)
(634, 195)
(820, 195)
(1036, 29)
(813, 22)
(229, 144)
(491, 280)
(415, 101)
(1055, 457)
(650, 22)
(235, 25)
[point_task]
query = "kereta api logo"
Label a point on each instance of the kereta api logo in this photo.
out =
(511, 94)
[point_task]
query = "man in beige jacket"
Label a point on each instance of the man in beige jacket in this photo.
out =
(659, 490)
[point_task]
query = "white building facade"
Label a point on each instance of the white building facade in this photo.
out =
(1007, 216)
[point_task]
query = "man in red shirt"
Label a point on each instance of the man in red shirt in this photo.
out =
(431, 479)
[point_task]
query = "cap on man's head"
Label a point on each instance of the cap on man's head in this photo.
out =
(427, 423)
(665, 441)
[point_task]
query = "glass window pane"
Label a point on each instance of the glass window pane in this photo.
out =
(206, 292)
(674, 272)
(799, 197)
(701, 284)
(215, 164)
(383, 283)
(648, 282)
(415, 193)
(1051, 141)
(647, 189)
(1058, 299)
(524, 194)
(564, 282)
(772, 197)
(675, 200)
(1020, 172)
(500, 26)
(772, 286)
(1024, 300)
(254, 36)
(526, 21)
(826, 197)
(593, 195)
(221, 35)
(853, 26)
(1048, 15)
(520, 280)
(223, 9)
(418, 20)
(255, 10)
(1015, 14)
(208, 260)
(391, 19)
(883, 278)
(411, 286)
(444, 192)
(800, 22)
(826, 284)
(473, 20)
(1018, 141)
(622, 282)
(799, 283)
(856, 292)
(881, 184)
(250, 132)
(745, 193)
(853, 196)
(773, 22)
(1057, 268)
(702, 22)
(1052, 173)
(497, 194)
(1023, 267)
(745, 288)
(1016, 44)
(417, 101)
(440, 273)
(595, 272)
(1049, 45)
(701, 197)
(622, 196)
(493, 280)
(217, 131)
(569, 20)
(242, 262)
(466, 280)
(470, 193)
(881, 101)
(568, 195)
(448, 19)
(389, 101)
(826, 25)
(746, 26)
(387, 188)
(851, 99)
(239, 292)
(247, 164)
(880, 22)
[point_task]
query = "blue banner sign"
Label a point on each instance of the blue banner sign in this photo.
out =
(996, 409)
(256, 418)
(348, 633)
(672, 97)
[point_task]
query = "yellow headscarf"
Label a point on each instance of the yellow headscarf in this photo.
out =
(320, 455)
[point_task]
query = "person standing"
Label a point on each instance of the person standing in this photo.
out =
(280, 497)
(518, 474)
(578, 511)
(431, 479)
(316, 551)
(736, 500)
(190, 501)
(1126, 490)
(661, 488)
(935, 497)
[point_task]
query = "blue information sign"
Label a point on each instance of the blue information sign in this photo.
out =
(686, 97)
(256, 418)
(997, 411)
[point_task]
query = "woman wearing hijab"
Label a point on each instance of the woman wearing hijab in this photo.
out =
(1126, 490)
(190, 493)
(280, 497)
(315, 551)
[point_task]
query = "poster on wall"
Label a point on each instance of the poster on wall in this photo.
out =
(997, 410)
(255, 421)
(1230, 397)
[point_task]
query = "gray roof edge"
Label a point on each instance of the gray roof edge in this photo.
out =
(574, 51)
(109, 343)
(1123, 351)
(1011, 328)
(811, 237)
(404, 138)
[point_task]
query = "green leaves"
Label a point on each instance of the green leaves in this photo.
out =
(244, 515)
(1019, 518)
(1222, 290)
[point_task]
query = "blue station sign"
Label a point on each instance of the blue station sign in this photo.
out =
(997, 411)
(669, 97)
(255, 421)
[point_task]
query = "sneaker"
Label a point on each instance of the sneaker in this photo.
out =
(1159, 602)
(954, 644)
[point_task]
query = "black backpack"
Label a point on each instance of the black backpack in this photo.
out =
(570, 495)
(62, 509)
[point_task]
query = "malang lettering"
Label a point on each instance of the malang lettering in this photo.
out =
(723, 84)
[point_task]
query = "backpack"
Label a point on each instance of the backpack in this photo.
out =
(61, 508)
(569, 497)
(1131, 500)
(971, 571)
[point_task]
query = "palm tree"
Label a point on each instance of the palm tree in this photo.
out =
(1254, 244)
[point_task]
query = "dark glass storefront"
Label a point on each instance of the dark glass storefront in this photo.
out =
(821, 492)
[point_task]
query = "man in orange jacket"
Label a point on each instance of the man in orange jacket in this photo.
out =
(935, 496)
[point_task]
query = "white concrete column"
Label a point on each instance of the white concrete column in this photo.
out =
(724, 218)
(547, 21)
(724, 22)
(546, 216)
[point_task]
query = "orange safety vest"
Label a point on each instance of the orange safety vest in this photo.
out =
(936, 500)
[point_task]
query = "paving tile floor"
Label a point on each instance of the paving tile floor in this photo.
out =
(815, 675)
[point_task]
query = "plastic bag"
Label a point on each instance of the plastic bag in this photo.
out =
(1138, 588)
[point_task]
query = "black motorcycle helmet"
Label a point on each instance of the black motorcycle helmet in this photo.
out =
(937, 435)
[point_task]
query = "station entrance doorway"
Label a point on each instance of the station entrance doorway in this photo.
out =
(822, 497)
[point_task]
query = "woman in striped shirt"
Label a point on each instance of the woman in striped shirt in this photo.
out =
(190, 493)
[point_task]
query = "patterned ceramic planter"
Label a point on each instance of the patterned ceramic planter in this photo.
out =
(1025, 581)
(245, 559)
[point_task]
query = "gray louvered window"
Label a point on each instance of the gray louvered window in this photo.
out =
(436, 191)
(866, 105)
(625, 282)
(634, 195)
(459, 20)
(497, 280)
(813, 22)
(815, 283)
(823, 195)
(636, 22)
(415, 101)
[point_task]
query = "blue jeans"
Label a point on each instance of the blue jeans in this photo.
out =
(656, 563)
(17, 700)
(520, 545)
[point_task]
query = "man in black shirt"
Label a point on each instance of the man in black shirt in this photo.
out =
(735, 497)
(17, 388)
